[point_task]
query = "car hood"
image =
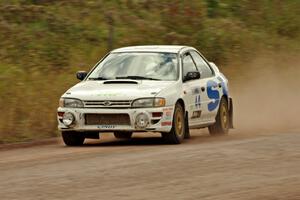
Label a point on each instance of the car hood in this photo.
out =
(116, 89)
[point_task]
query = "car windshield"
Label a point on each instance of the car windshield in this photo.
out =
(137, 65)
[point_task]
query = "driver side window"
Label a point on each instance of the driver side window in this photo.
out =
(188, 64)
(202, 66)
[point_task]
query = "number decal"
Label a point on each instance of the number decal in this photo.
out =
(197, 101)
(213, 94)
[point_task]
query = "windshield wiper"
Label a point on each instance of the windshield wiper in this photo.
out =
(98, 78)
(137, 78)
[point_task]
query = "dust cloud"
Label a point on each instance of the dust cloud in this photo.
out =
(266, 93)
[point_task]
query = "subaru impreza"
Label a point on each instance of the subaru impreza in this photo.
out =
(166, 89)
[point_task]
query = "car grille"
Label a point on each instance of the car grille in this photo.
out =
(108, 104)
(107, 119)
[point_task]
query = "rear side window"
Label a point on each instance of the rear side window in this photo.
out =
(202, 66)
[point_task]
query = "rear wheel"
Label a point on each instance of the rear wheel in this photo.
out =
(122, 134)
(72, 138)
(176, 135)
(221, 126)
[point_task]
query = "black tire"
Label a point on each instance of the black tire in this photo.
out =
(187, 134)
(122, 134)
(221, 126)
(176, 135)
(72, 138)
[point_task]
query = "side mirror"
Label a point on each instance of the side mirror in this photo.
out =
(191, 76)
(81, 75)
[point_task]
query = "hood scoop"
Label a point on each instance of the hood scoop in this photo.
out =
(120, 82)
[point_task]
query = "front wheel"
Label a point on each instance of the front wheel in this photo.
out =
(221, 126)
(72, 138)
(176, 135)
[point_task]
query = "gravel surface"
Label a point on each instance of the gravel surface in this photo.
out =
(237, 166)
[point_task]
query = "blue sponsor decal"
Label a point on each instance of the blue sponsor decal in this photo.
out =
(213, 94)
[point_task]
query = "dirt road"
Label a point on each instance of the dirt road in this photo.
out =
(237, 166)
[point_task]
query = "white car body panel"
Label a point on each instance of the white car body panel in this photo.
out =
(96, 90)
(173, 91)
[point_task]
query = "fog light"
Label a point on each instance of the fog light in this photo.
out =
(141, 120)
(68, 119)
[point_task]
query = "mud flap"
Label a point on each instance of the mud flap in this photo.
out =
(230, 113)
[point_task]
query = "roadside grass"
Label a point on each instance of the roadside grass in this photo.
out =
(29, 101)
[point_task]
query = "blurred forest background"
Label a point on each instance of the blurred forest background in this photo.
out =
(44, 42)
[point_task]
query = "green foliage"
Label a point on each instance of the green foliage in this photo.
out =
(43, 42)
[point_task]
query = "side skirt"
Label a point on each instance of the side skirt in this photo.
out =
(202, 125)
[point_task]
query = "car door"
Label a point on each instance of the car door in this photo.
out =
(192, 90)
(211, 93)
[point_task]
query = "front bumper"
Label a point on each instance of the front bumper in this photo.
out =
(162, 123)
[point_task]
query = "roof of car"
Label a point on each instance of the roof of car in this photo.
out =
(151, 48)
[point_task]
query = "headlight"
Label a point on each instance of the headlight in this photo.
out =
(149, 102)
(70, 103)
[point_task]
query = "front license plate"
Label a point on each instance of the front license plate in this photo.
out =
(106, 126)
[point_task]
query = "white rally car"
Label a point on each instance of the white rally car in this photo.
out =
(166, 89)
